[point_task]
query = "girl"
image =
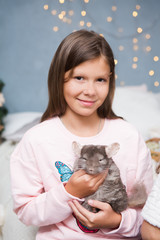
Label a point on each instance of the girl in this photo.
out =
(45, 190)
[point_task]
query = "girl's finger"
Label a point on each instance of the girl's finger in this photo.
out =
(97, 204)
(75, 206)
(80, 208)
(80, 172)
(101, 177)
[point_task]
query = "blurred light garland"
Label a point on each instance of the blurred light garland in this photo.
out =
(65, 16)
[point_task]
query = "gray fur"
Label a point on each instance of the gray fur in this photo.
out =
(97, 158)
(93, 159)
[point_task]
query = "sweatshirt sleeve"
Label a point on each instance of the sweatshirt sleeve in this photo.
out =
(32, 204)
(143, 173)
(151, 210)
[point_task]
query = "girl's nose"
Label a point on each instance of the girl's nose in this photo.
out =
(89, 88)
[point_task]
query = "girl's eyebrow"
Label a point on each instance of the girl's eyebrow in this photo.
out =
(106, 74)
(77, 73)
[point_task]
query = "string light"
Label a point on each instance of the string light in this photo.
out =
(135, 47)
(121, 48)
(54, 12)
(151, 73)
(61, 1)
(135, 14)
(148, 48)
(148, 36)
(83, 13)
(139, 30)
(81, 23)
(69, 21)
(135, 40)
(45, 7)
(86, 1)
(134, 65)
(71, 12)
(60, 16)
(55, 28)
(109, 19)
(156, 58)
(115, 61)
(63, 13)
(135, 59)
(138, 7)
(89, 24)
(120, 30)
(114, 8)
(156, 83)
(64, 19)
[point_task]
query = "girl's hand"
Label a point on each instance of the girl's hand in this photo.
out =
(105, 218)
(82, 184)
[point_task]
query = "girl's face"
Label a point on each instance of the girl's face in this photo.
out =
(87, 88)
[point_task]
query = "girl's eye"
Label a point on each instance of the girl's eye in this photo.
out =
(101, 80)
(79, 78)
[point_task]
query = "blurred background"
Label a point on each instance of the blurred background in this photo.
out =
(32, 30)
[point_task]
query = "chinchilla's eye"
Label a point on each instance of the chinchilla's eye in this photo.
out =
(102, 161)
(84, 159)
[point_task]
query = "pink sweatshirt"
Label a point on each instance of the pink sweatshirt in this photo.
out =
(43, 161)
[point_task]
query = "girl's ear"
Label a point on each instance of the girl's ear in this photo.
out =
(76, 148)
(112, 149)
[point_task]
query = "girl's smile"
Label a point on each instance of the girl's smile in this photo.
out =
(86, 103)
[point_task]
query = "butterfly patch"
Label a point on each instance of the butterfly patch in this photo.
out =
(64, 171)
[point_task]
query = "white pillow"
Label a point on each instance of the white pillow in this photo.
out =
(157, 95)
(154, 132)
(16, 124)
(141, 108)
(142, 87)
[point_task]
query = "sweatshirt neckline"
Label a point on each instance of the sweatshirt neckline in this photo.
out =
(73, 136)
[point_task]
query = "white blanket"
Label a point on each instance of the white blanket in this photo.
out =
(151, 210)
(12, 228)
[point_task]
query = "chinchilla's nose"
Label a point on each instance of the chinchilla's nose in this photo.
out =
(91, 170)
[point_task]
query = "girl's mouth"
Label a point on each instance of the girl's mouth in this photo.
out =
(86, 102)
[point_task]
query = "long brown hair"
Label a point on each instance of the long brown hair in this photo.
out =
(76, 48)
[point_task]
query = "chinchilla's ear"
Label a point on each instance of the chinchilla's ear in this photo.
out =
(112, 149)
(76, 148)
